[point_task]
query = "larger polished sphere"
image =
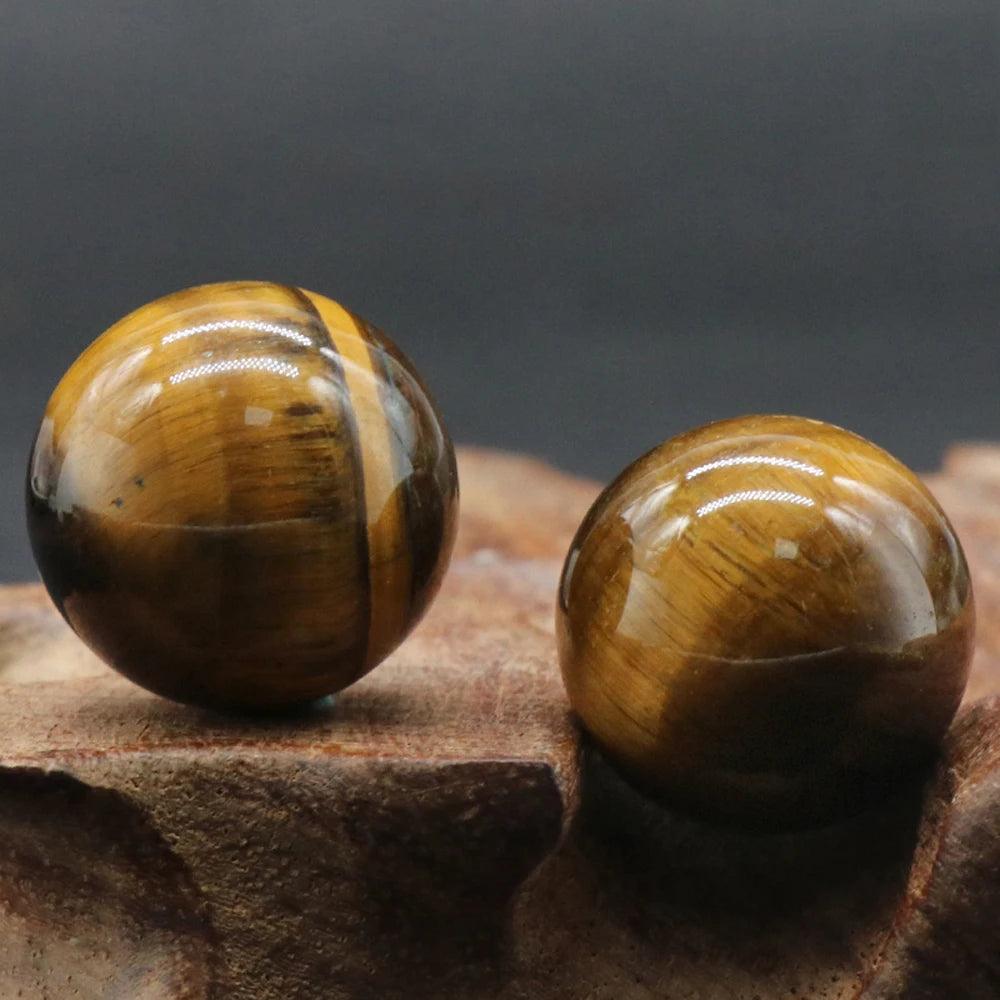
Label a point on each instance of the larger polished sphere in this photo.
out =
(242, 495)
(766, 620)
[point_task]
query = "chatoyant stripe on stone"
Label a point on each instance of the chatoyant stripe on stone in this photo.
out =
(389, 557)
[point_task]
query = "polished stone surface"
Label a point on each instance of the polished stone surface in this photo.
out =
(243, 495)
(766, 620)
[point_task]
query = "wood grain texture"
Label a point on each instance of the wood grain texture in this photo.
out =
(767, 620)
(439, 833)
(241, 494)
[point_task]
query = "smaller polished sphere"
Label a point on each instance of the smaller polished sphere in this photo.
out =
(242, 495)
(766, 621)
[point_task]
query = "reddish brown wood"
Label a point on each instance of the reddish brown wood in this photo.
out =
(436, 832)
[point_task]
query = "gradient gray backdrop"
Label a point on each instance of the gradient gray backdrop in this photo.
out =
(591, 224)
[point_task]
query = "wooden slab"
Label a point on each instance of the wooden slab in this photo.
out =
(437, 832)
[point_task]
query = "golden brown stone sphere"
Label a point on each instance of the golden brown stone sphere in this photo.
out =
(242, 495)
(766, 620)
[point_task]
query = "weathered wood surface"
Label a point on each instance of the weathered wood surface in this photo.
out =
(437, 833)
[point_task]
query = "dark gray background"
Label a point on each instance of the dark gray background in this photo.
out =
(591, 224)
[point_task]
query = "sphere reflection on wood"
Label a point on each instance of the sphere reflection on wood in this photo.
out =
(766, 620)
(242, 495)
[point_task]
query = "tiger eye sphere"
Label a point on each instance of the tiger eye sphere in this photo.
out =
(242, 495)
(766, 621)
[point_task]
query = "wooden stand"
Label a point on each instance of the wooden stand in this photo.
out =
(436, 834)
